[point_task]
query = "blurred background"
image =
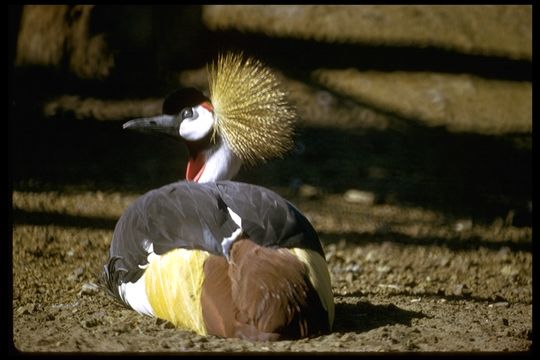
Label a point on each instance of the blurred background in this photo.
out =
(429, 106)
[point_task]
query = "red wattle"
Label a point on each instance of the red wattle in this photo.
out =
(195, 168)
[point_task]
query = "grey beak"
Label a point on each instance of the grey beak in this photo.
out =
(164, 124)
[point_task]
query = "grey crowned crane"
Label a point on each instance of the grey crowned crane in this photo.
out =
(215, 256)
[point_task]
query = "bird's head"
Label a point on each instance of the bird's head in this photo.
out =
(245, 120)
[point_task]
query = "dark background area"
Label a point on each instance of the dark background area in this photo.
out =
(464, 174)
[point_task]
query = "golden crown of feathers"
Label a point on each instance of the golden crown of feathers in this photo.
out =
(251, 109)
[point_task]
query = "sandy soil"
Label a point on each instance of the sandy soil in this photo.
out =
(405, 279)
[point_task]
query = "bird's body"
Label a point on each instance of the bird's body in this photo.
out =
(154, 240)
(216, 256)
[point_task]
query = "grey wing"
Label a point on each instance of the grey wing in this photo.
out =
(267, 218)
(195, 216)
(179, 215)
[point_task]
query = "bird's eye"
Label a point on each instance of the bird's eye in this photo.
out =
(186, 113)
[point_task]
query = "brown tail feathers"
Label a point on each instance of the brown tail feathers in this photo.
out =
(261, 294)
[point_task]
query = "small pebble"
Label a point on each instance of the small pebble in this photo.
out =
(509, 270)
(26, 309)
(308, 191)
(359, 197)
(461, 290)
(371, 256)
(463, 225)
(76, 274)
(500, 304)
(89, 289)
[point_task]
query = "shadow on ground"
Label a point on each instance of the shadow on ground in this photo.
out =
(455, 244)
(42, 218)
(461, 174)
(299, 57)
(363, 316)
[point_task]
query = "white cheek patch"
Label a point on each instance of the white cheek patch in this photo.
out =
(196, 128)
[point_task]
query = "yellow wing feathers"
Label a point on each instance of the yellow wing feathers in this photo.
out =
(173, 286)
(319, 278)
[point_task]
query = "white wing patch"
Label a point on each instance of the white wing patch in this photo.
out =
(235, 217)
(149, 247)
(134, 294)
(228, 241)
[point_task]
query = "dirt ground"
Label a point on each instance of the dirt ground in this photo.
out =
(421, 258)
(404, 279)
(427, 232)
